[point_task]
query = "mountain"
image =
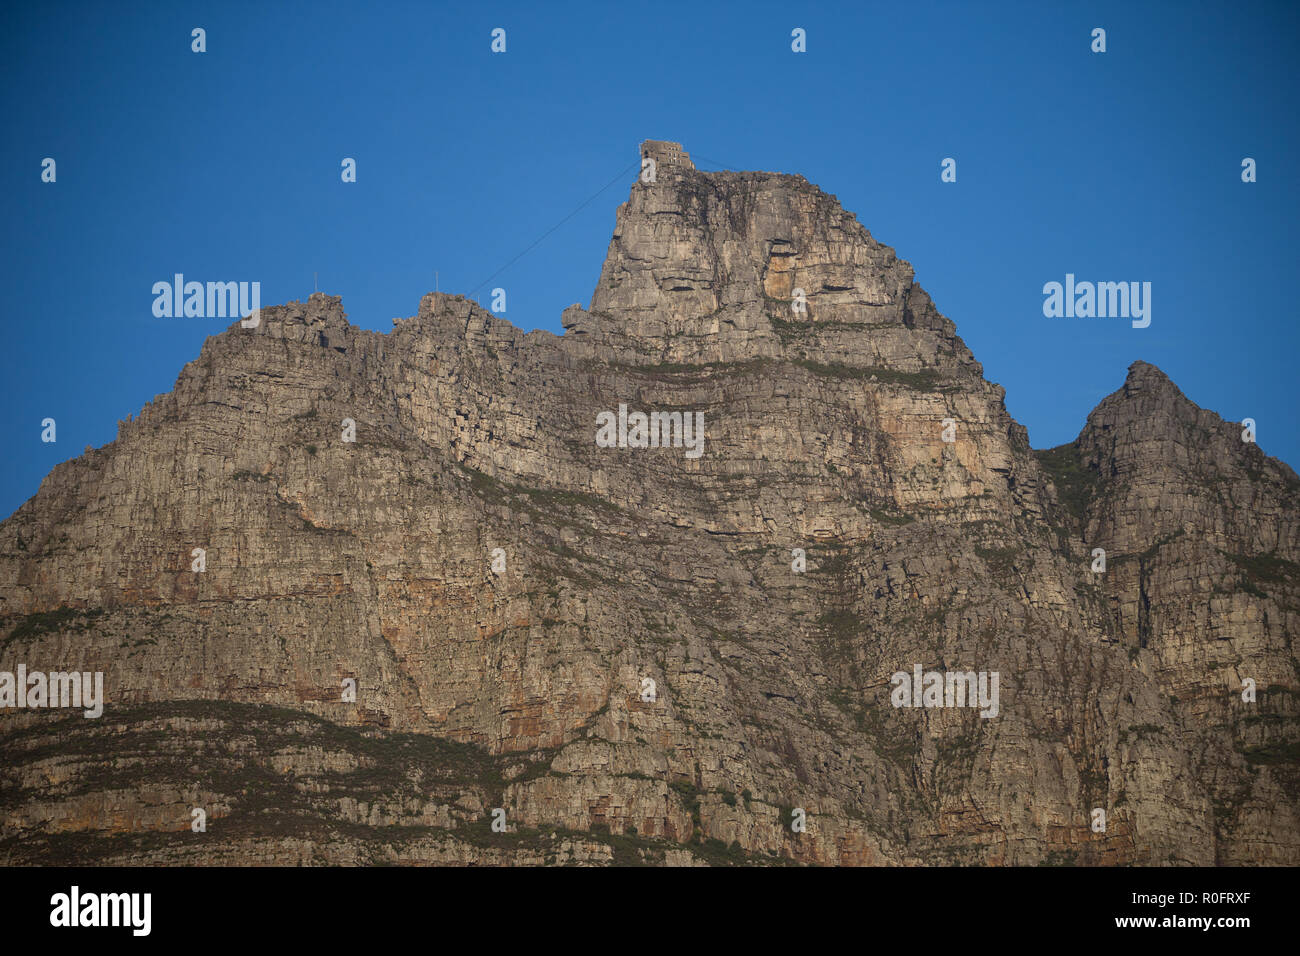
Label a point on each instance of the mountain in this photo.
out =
(620, 646)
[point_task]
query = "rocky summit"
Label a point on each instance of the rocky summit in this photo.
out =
(750, 565)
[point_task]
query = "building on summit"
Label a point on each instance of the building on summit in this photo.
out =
(666, 154)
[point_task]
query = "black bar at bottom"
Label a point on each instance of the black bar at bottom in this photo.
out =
(334, 906)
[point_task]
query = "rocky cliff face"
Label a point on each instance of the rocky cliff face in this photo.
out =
(519, 678)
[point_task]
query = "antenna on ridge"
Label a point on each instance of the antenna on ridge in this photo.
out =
(435, 281)
(313, 284)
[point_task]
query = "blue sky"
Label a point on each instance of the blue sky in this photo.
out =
(225, 165)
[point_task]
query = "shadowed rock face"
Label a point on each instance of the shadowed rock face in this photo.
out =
(372, 560)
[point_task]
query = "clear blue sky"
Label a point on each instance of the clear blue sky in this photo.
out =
(225, 165)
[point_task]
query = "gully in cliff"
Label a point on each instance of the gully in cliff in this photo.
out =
(656, 430)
